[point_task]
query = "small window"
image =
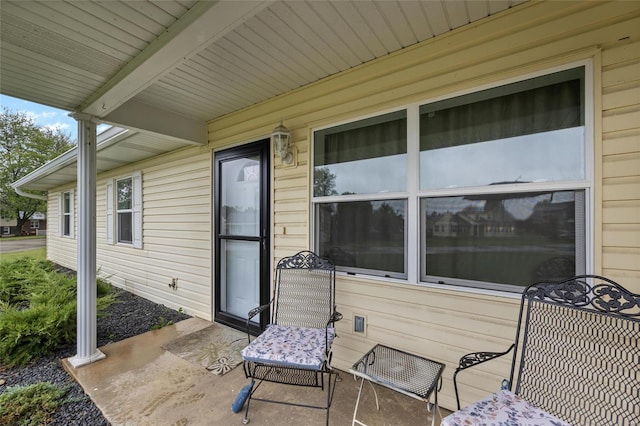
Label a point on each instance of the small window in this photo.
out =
(124, 210)
(67, 214)
(35, 224)
(6, 230)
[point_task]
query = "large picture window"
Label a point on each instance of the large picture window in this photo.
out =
(496, 143)
(495, 184)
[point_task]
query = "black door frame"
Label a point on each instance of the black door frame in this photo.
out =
(262, 149)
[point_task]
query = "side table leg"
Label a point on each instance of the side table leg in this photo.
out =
(435, 408)
(355, 411)
(376, 395)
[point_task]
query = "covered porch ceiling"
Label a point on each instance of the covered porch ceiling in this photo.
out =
(162, 68)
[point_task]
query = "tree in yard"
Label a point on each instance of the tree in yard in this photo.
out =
(23, 148)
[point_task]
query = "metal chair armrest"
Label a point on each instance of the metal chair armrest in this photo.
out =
(473, 359)
(255, 311)
(252, 313)
(335, 317)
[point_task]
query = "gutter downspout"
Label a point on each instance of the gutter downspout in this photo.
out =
(26, 194)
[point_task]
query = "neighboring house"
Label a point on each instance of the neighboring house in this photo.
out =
(36, 225)
(431, 252)
(8, 227)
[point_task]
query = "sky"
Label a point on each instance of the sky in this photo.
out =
(42, 115)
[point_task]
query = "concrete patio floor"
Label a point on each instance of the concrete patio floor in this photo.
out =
(139, 383)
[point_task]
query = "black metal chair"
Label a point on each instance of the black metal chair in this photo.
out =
(295, 349)
(576, 357)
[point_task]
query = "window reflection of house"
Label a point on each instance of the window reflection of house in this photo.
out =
(481, 224)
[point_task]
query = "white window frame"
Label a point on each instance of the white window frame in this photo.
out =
(6, 230)
(374, 197)
(414, 194)
(62, 214)
(136, 211)
(35, 224)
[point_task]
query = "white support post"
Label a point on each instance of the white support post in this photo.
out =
(87, 351)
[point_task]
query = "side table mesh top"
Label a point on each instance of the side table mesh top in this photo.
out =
(399, 370)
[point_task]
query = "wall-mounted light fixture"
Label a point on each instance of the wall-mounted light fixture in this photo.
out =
(280, 138)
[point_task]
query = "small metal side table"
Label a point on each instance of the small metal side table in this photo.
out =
(409, 374)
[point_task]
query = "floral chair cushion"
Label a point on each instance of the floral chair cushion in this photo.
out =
(298, 347)
(503, 408)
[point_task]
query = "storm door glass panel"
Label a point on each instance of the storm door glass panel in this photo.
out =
(240, 197)
(240, 271)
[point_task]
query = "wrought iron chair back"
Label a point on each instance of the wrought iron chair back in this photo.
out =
(576, 353)
(580, 351)
(305, 291)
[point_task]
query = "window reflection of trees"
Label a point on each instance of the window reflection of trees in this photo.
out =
(364, 234)
(324, 182)
(124, 190)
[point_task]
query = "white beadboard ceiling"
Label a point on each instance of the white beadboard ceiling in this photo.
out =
(164, 67)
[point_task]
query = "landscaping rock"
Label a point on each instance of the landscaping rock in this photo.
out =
(129, 316)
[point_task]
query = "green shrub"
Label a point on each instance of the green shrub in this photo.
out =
(18, 276)
(34, 332)
(39, 315)
(30, 405)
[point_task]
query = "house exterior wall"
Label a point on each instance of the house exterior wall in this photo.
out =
(8, 227)
(176, 223)
(439, 322)
(28, 229)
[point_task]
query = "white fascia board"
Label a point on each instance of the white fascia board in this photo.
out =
(105, 139)
(149, 119)
(206, 22)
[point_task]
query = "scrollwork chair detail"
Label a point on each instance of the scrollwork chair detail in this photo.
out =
(570, 336)
(303, 312)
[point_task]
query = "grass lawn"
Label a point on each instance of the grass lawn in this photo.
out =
(38, 254)
(28, 237)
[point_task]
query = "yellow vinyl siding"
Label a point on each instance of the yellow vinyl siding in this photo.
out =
(176, 233)
(621, 162)
(61, 250)
(445, 323)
